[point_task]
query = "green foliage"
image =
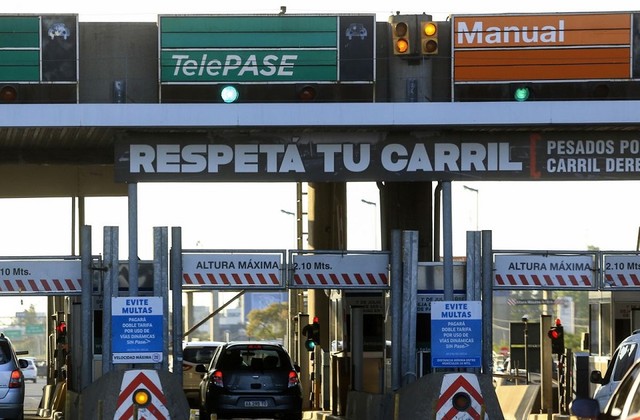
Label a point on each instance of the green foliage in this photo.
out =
(269, 323)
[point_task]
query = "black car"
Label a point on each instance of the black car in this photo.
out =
(250, 380)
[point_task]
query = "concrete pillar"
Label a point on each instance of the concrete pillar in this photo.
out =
(327, 231)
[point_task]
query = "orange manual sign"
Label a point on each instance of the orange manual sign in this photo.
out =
(541, 47)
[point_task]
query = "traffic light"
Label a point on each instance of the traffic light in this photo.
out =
(401, 37)
(141, 398)
(428, 38)
(312, 331)
(8, 93)
(521, 92)
(61, 330)
(229, 94)
(556, 334)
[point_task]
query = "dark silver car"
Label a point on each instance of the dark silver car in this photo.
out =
(251, 379)
(11, 381)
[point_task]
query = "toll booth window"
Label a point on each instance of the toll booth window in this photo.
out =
(372, 332)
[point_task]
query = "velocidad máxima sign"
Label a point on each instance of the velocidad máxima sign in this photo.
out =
(310, 157)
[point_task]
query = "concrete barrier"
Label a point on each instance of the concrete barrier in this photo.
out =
(429, 398)
(100, 399)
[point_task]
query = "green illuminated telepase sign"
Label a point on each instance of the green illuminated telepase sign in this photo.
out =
(269, 48)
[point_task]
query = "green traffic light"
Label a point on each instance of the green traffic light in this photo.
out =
(521, 94)
(229, 94)
(310, 345)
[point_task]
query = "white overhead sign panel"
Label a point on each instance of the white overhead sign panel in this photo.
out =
(336, 271)
(40, 276)
(621, 271)
(232, 270)
(544, 271)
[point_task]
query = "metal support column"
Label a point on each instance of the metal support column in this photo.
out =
(86, 364)
(160, 283)
(487, 301)
(110, 289)
(133, 239)
(396, 309)
(447, 243)
(409, 304)
(176, 286)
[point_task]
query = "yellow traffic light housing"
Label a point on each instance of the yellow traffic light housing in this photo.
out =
(401, 38)
(141, 397)
(429, 38)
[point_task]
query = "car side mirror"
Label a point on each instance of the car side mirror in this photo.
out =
(23, 364)
(595, 377)
(201, 368)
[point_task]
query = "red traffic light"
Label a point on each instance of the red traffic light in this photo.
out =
(61, 328)
(8, 94)
(553, 334)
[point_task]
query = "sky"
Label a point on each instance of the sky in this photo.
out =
(521, 215)
(123, 10)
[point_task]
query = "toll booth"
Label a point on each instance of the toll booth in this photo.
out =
(430, 289)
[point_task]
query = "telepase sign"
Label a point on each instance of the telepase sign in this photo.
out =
(372, 157)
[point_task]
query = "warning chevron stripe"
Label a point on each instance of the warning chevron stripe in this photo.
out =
(133, 380)
(463, 382)
(235, 279)
(622, 280)
(547, 280)
(41, 285)
(357, 279)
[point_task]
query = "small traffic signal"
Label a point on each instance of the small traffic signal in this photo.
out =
(8, 93)
(429, 38)
(141, 397)
(306, 93)
(229, 94)
(312, 331)
(401, 38)
(521, 92)
(61, 332)
(556, 334)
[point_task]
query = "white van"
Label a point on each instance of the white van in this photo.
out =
(623, 358)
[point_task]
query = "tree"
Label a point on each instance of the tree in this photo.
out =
(269, 323)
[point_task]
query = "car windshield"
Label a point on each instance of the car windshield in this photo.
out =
(5, 352)
(626, 357)
(256, 357)
(198, 355)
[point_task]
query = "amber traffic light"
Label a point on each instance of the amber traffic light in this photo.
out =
(401, 38)
(429, 38)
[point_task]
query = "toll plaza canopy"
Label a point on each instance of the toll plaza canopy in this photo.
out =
(556, 140)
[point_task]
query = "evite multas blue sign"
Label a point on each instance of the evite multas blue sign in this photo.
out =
(456, 334)
(136, 329)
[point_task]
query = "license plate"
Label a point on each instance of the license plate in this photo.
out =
(259, 403)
